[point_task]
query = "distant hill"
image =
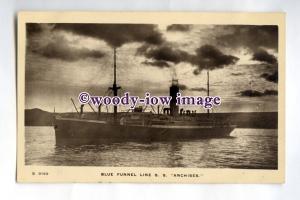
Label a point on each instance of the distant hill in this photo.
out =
(264, 120)
(38, 117)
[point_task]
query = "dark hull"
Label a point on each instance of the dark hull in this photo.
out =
(76, 131)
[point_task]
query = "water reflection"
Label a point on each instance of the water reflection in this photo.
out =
(246, 148)
(175, 158)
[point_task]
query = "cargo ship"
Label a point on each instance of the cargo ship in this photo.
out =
(168, 124)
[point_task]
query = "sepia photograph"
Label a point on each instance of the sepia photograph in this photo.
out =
(145, 94)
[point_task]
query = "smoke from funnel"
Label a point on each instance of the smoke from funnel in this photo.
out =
(173, 72)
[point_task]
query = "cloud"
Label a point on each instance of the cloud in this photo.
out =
(271, 92)
(251, 93)
(116, 35)
(59, 48)
(198, 89)
(205, 57)
(163, 52)
(196, 71)
(237, 74)
(155, 48)
(156, 63)
(209, 57)
(33, 28)
(271, 77)
(251, 37)
(263, 56)
(182, 87)
(179, 27)
(255, 93)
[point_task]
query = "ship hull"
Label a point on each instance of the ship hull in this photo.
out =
(76, 131)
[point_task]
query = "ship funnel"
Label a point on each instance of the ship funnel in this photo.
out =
(174, 89)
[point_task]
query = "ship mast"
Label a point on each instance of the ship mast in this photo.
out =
(115, 87)
(208, 90)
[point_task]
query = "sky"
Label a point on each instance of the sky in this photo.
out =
(63, 60)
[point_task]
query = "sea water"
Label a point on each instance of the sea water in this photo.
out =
(245, 149)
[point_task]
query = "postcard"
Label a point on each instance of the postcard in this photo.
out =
(151, 97)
